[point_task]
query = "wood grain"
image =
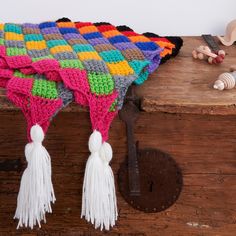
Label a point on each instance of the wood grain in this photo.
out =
(184, 85)
(204, 147)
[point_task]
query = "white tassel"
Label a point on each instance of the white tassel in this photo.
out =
(36, 190)
(99, 197)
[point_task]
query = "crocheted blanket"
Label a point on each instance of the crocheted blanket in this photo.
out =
(46, 66)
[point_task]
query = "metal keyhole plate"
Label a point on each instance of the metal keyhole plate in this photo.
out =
(160, 181)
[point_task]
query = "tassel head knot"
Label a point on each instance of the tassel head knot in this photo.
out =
(37, 134)
(95, 141)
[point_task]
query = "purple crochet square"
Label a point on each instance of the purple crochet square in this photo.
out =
(72, 36)
(98, 41)
(124, 46)
(30, 25)
(50, 30)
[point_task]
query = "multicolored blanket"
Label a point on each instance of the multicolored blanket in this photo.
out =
(46, 66)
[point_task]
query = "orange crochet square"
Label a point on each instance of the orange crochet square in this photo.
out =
(88, 29)
(140, 38)
(166, 46)
(66, 24)
(36, 45)
(111, 33)
(88, 56)
(62, 48)
(14, 36)
(1, 26)
(120, 68)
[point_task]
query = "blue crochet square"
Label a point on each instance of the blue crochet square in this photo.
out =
(67, 30)
(147, 46)
(119, 39)
(47, 25)
(92, 35)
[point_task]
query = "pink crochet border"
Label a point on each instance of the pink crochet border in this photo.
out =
(41, 109)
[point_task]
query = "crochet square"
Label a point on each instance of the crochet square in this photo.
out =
(71, 64)
(96, 66)
(89, 56)
(100, 84)
(19, 74)
(57, 42)
(88, 29)
(120, 68)
(16, 51)
(119, 39)
(42, 58)
(33, 37)
(112, 56)
(44, 88)
(62, 48)
(92, 35)
(36, 45)
(83, 48)
(111, 33)
(13, 28)
(140, 38)
(13, 36)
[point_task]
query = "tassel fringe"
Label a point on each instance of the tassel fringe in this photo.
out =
(36, 190)
(99, 204)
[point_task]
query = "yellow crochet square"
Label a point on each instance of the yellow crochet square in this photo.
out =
(88, 29)
(36, 45)
(111, 33)
(13, 36)
(1, 26)
(120, 68)
(62, 48)
(89, 56)
(140, 38)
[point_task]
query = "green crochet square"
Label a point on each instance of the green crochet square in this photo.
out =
(19, 74)
(74, 63)
(113, 106)
(100, 83)
(33, 37)
(112, 56)
(42, 58)
(1, 41)
(16, 51)
(44, 88)
(83, 48)
(13, 28)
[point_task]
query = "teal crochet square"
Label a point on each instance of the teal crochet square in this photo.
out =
(112, 56)
(13, 28)
(83, 48)
(33, 37)
(54, 43)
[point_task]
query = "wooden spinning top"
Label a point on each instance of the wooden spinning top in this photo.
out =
(225, 81)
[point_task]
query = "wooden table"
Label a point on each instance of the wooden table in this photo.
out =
(181, 114)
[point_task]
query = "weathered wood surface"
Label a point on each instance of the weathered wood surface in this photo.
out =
(184, 85)
(203, 145)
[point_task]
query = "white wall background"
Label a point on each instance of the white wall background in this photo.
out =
(166, 17)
